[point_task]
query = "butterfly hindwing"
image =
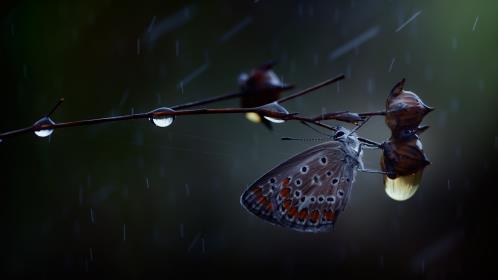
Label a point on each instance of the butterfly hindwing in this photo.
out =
(306, 192)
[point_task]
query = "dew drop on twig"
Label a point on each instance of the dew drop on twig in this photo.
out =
(41, 123)
(162, 120)
(274, 107)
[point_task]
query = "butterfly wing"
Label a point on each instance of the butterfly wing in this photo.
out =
(306, 192)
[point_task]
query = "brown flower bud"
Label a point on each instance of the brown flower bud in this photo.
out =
(402, 158)
(404, 112)
(404, 162)
(262, 86)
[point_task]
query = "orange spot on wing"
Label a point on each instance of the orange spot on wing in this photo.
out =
(261, 200)
(285, 182)
(314, 216)
(285, 192)
(257, 191)
(293, 211)
(303, 214)
(329, 215)
(268, 206)
(287, 204)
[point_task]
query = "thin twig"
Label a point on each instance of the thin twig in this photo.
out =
(173, 113)
(368, 141)
(346, 116)
(312, 88)
(207, 101)
(55, 107)
(368, 114)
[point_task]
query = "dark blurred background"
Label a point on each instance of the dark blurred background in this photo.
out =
(130, 199)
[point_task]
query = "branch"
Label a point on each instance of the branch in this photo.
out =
(346, 116)
(207, 101)
(167, 112)
(312, 88)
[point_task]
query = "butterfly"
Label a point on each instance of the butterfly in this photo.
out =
(308, 191)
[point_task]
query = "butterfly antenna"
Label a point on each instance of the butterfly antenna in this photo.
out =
(304, 139)
(316, 130)
(359, 126)
(369, 142)
(373, 171)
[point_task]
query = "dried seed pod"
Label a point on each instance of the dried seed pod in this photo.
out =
(260, 87)
(404, 162)
(401, 158)
(404, 112)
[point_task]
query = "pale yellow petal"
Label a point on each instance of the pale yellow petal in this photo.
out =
(403, 187)
(253, 117)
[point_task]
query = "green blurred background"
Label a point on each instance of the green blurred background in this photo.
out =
(129, 199)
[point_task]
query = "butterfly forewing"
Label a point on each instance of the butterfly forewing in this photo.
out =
(306, 192)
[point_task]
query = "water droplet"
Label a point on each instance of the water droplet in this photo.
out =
(243, 77)
(162, 120)
(274, 107)
(45, 121)
(272, 80)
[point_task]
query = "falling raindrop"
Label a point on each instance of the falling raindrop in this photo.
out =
(138, 46)
(274, 107)
(454, 43)
(187, 190)
(92, 216)
(45, 121)
(162, 120)
(91, 254)
(454, 105)
(481, 85)
(124, 232)
(194, 241)
(392, 64)
(475, 24)
(370, 85)
(81, 195)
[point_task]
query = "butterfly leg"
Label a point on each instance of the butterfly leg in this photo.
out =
(366, 170)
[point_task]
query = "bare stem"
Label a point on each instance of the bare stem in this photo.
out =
(349, 117)
(369, 114)
(207, 101)
(178, 111)
(312, 88)
(55, 107)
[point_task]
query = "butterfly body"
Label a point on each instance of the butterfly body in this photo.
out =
(308, 191)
